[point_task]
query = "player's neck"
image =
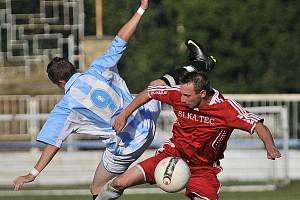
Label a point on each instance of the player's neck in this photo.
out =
(205, 101)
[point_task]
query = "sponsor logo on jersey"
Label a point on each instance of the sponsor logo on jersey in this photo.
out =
(160, 92)
(196, 118)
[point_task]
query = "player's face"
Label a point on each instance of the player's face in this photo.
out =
(189, 96)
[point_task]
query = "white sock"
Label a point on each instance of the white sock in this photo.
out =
(108, 192)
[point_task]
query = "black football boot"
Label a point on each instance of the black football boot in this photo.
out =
(198, 57)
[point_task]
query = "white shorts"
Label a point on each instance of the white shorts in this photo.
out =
(118, 164)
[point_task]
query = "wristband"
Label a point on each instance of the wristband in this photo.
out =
(34, 172)
(140, 11)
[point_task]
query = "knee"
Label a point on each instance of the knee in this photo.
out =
(93, 189)
(118, 183)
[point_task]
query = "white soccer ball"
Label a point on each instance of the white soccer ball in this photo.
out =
(172, 174)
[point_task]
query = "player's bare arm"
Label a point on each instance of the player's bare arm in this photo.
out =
(121, 120)
(141, 99)
(48, 153)
(265, 135)
(129, 28)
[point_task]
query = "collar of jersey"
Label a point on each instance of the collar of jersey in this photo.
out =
(71, 81)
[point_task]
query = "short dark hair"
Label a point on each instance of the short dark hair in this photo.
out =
(199, 80)
(60, 69)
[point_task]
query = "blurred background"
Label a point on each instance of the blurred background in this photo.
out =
(256, 44)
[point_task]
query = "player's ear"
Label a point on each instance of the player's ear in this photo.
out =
(61, 84)
(203, 93)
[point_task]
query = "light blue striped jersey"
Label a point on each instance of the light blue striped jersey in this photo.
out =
(91, 102)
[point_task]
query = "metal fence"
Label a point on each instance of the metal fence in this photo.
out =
(22, 116)
(290, 101)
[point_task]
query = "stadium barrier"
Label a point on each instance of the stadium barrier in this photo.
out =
(24, 115)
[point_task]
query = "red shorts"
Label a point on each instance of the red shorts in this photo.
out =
(203, 181)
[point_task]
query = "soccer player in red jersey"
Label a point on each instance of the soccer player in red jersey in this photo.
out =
(205, 121)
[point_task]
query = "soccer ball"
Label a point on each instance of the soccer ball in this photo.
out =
(172, 174)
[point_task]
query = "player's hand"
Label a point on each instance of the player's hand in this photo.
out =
(273, 153)
(119, 123)
(19, 181)
(144, 4)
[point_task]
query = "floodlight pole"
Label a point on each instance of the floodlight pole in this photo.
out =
(99, 20)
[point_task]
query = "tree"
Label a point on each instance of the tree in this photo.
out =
(255, 42)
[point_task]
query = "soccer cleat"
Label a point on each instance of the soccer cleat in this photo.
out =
(198, 58)
(199, 61)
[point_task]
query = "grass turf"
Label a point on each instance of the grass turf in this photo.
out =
(291, 192)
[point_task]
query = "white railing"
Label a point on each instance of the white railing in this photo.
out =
(291, 101)
(22, 116)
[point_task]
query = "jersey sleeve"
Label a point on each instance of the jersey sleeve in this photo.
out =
(54, 126)
(164, 94)
(111, 57)
(239, 118)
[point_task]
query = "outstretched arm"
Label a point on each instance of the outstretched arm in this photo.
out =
(48, 153)
(113, 54)
(265, 135)
(129, 28)
(121, 120)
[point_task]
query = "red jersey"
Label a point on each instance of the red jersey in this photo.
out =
(201, 134)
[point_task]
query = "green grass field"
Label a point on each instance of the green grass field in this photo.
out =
(291, 192)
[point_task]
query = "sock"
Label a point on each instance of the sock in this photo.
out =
(109, 193)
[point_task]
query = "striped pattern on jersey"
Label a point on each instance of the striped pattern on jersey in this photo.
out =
(245, 115)
(92, 100)
(216, 98)
(242, 113)
(163, 87)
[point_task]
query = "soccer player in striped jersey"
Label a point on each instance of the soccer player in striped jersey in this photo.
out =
(205, 121)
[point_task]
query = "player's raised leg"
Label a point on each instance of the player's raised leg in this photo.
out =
(198, 57)
(198, 61)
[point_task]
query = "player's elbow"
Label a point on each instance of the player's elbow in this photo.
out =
(259, 126)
